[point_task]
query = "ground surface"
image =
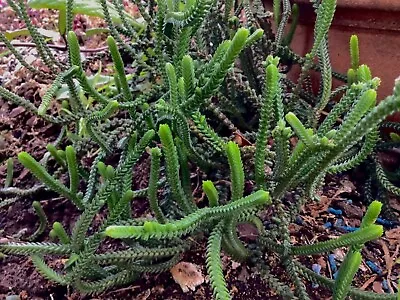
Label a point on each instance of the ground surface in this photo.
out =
(21, 131)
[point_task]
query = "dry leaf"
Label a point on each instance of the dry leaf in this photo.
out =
(393, 236)
(243, 275)
(377, 287)
(187, 275)
(235, 265)
(322, 262)
(144, 295)
(363, 267)
(317, 207)
(350, 210)
(387, 257)
(43, 89)
(16, 111)
(394, 203)
(347, 187)
(368, 282)
(248, 231)
(241, 140)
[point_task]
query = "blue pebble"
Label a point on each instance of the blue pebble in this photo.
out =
(328, 225)
(348, 228)
(337, 212)
(338, 223)
(385, 285)
(332, 263)
(335, 274)
(317, 269)
(299, 220)
(374, 267)
(386, 223)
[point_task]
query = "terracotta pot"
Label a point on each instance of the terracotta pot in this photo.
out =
(377, 24)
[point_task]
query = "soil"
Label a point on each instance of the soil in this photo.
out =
(21, 131)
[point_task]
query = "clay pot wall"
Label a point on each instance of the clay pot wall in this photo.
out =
(377, 24)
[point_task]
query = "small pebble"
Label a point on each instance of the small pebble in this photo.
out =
(386, 223)
(335, 274)
(328, 225)
(374, 267)
(332, 263)
(299, 220)
(317, 269)
(385, 286)
(348, 228)
(338, 223)
(337, 212)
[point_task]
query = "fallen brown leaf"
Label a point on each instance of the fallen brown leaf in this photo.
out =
(347, 187)
(17, 111)
(241, 140)
(393, 236)
(317, 207)
(322, 262)
(377, 287)
(350, 210)
(248, 231)
(394, 203)
(235, 265)
(243, 275)
(187, 275)
(368, 282)
(23, 295)
(386, 256)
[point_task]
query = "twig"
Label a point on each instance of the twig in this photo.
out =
(11, 191)
(57, 47)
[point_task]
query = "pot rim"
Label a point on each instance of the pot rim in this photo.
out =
(383, 5)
